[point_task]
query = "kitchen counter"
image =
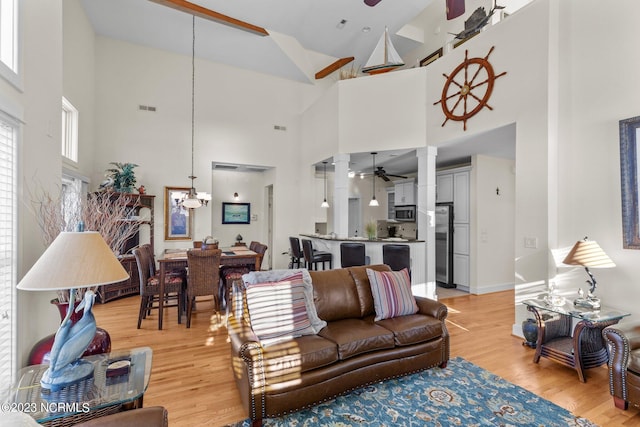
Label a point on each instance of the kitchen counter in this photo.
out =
(373, 249)
(362, 239)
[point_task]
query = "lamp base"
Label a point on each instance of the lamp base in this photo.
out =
(72, 373)
(590, 302)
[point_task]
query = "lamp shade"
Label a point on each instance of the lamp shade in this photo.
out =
(74, 260)
(588, 253)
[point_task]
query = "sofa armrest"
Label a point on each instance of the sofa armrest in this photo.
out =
(153, 416)
(622, 339)
(432, 308)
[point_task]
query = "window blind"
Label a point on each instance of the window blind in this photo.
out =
(8, 275)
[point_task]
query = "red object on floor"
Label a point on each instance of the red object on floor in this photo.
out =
(455, 8)
(101, 342)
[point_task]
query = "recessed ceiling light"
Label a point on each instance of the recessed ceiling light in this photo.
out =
(341, 24)
(366, 29)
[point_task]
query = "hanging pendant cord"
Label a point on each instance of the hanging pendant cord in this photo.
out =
(193, 86)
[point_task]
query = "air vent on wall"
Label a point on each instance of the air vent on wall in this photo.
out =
(225, 167)
(146, 108)
(279, 127)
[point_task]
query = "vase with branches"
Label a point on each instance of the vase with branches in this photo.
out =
(106, 213)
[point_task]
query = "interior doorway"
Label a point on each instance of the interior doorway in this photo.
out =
(269, 210)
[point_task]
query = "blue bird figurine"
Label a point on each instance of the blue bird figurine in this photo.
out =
(65, 366)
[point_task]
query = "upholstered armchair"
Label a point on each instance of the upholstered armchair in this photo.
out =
(624, 363)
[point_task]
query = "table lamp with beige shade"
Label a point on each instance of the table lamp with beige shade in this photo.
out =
(588, 253)
(75, 260)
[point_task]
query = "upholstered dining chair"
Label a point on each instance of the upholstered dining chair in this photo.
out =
(352, 254)
(397, 256)
(150, 287)
(203, 278)
(313, 257)
(297, 258)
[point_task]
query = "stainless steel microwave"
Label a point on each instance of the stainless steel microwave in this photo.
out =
(406, 213)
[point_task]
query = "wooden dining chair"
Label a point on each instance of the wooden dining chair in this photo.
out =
(150, 287)
(203, 278)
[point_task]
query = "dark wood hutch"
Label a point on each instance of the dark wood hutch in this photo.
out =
(141, 205)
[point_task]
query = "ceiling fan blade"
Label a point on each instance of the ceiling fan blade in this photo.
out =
(397, 176)
(384, 177)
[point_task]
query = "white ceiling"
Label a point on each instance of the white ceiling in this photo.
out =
(313, 24)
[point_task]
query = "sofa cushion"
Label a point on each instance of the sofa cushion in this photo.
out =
(336, 296)
(357, 336)
(278, 275)
(278, 310)
(301, 354)
(392, 295)
(363, 287)
(412, 329)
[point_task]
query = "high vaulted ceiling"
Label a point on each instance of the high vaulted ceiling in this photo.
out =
(305, 36)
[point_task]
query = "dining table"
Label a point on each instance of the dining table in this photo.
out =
(176, 259)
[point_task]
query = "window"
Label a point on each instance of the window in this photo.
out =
(8, 273)
(69, 130)
(9, 41)
(73, 189)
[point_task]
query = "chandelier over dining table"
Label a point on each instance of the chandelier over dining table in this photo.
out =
(192, 199)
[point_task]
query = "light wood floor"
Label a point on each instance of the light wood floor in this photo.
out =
(192, 376)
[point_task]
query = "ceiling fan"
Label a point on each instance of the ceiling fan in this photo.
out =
(381, 173)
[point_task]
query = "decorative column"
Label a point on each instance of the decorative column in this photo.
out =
(426, 217)
(340, 204)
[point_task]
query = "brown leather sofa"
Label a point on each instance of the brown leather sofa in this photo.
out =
(350, 352)
(624, 363)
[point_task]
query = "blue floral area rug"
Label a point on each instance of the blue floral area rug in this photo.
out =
(462, 394)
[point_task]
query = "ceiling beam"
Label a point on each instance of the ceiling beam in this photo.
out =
(203, 12)
(333, 67)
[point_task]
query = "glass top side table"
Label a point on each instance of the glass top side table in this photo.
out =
(559, 341)
(119, 382)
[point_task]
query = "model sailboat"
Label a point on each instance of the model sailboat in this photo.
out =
(384, 57)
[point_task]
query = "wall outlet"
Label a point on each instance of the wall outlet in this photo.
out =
(531, 242)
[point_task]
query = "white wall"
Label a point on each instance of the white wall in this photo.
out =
(493, 224)
(235, 114)
(599, 94)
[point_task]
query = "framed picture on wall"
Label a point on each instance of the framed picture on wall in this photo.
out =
(236, 213)
(178, 221)
(430, 58)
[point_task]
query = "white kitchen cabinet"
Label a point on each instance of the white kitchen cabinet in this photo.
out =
(444, 188)
(405, 193)
(461, 197)
(461, 270)
(461, 239)
(391, 203)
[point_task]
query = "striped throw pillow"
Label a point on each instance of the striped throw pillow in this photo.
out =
(278, 310)
(392, 295)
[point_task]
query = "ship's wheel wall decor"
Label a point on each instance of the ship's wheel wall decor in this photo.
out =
(468, 88)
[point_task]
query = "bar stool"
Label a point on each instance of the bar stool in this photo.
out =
(297, 257)
(397, 256)
(313, 257)
(352, 254)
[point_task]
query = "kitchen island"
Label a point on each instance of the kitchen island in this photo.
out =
(373, 249)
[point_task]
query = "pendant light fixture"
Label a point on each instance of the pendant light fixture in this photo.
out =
(192, 199)
(325, 204)
(373, 201)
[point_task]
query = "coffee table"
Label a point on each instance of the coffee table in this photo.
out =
(579, 347)
(109, 391)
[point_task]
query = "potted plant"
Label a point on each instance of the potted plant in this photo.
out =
(123, 176)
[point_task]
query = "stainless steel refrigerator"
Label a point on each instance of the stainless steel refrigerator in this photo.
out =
(444, 245)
